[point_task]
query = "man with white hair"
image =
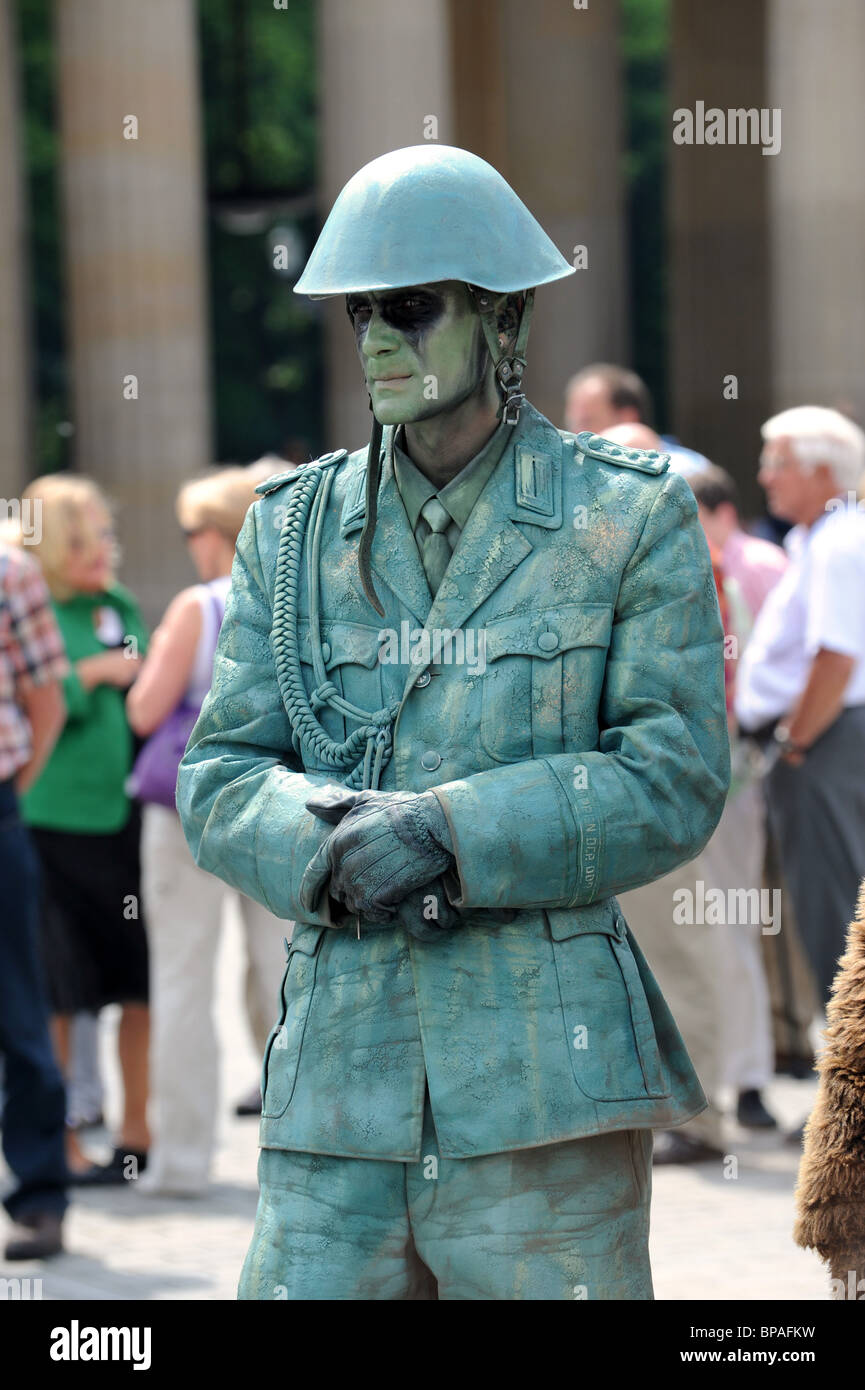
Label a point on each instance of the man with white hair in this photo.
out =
(801, 680)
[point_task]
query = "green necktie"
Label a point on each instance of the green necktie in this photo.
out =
(435, 550)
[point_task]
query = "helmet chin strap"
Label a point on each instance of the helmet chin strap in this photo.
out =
(508, 368)
(364, 550)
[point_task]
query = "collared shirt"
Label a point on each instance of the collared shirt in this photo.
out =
(81, 788)
(726, 621)
(459, 496)
(755, 564)
(31, 651)
(819, 602)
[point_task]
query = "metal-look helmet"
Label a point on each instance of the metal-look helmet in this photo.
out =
(427, 213)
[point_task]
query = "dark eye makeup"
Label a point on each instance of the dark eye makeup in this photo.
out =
(403, 311)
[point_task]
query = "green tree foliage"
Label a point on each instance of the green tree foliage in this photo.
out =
(38, 76)
(258, 68)
(645, 41)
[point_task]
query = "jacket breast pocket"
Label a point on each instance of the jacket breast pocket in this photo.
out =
(609, 1028)
(543, 679)
(282, 1052)
(349, 663)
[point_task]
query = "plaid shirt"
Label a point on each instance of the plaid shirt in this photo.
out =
(31, 651)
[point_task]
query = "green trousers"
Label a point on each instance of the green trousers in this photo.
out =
(563, 1221)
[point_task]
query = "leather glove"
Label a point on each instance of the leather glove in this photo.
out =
(328, 804)
(414, 912)
(385, 846)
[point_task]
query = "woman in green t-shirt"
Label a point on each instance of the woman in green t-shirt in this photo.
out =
(85, 828)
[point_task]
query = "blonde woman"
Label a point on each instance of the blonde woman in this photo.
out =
(84, 826)
(184, 904)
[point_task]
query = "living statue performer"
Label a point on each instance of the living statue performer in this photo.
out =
(469, 686)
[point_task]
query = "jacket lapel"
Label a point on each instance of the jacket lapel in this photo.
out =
(489, 549)
(395, 556)
(525, 487)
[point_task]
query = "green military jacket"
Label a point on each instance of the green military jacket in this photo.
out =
(582, 752)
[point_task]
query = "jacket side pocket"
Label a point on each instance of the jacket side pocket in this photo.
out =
(609, 1029)
(654, 1073)
(282, 1053)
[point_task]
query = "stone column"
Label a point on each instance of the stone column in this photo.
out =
(14, 328)
(132, 181)
(548, 81)
(383, 69)
(718, 267)
(817, 203)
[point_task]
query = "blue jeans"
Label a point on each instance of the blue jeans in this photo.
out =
(34, 1100)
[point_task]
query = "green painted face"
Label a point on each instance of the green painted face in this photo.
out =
(422, 349)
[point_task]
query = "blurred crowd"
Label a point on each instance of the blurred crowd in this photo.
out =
(105, 905)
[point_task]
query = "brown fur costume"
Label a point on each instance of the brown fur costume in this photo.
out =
(830, 1195)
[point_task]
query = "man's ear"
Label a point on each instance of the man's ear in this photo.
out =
(508, 310)
(826, 474)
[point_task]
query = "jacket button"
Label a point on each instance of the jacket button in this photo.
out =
(423, 679)
(430, 760)
(325, 651)
(548, 641)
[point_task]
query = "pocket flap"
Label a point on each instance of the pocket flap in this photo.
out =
(342, 643)
(565, 922)
(306, 938)
(550, 631)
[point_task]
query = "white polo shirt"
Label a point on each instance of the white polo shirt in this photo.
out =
(819, 601)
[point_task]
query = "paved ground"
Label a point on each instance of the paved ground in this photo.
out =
(717, 1237)
(713, 1237)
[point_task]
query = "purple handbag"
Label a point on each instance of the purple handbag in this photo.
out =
(154, 775)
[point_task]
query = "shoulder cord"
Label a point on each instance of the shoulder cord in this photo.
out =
(368, 749)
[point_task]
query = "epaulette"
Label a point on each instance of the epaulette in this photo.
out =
(644, 460)
(280, 479)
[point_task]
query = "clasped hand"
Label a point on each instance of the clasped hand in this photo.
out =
(385, 845)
